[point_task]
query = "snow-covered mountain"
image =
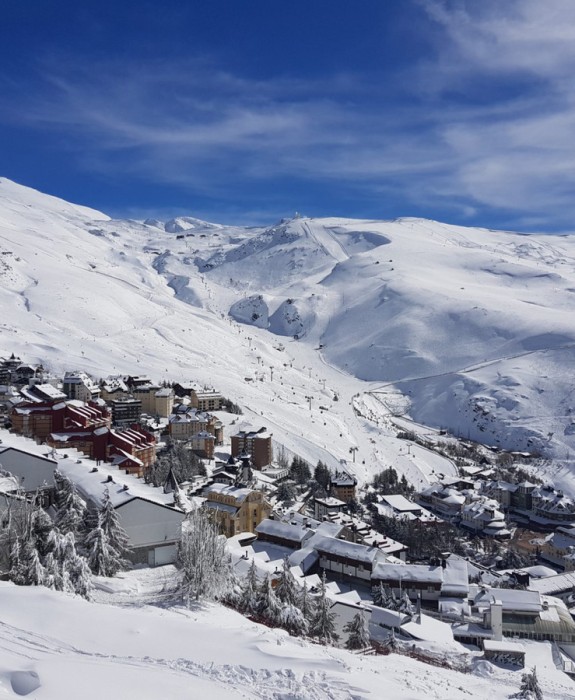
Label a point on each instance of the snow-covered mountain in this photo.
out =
(475, 328)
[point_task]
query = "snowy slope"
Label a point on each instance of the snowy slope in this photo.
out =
(54, 647)
(475, 327)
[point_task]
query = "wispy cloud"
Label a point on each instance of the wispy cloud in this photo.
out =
(485, 123)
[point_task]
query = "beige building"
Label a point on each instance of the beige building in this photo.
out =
(206, 400)
(164, 402)
(236, 509)
(146, 393)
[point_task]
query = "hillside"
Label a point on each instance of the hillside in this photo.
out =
(474, 327)
(57, 647)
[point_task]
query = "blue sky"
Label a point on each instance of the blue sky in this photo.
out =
(243, 111)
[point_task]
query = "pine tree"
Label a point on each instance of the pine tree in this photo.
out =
(306, 604)
(530, 689)
(357, 631)
(379, 595)
(205, 565)
(292, 619)
(102, 559)
(286, 588)
(70, 514)
(248, 603)
(269, 607)
(117, 537)
(323, 621)
(32, 569)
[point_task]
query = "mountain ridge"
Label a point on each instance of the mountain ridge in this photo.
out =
(475, 327)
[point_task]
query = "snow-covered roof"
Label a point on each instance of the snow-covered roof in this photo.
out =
(349, 550)
(408, 572)
(511, 600)
(285, 531)
(238, 493)
(551, 585)
(400, 503)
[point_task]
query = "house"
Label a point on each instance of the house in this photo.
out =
(206, 400)
(326, 507)
(559, 548)
(431, 582)
(149, 516)
(284, 534)
(483, 517)
(125, 411)
(39, 420)
(114, 388)
(164, 402)
(561, 586)
(236, 509)
(445, 500)
(348, 559)
(34, 471)
(522, 614)
(202, 444)
(256, 444)
(146, 393)
(397, 506)
(552, 505)
(342, 486)
(7, 366)
(80, 386)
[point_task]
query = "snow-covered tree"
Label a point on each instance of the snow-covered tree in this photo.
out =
(73, 569)
(248, 603)
(530, 688)
(205, 564)
(72, 509)
(306, 603)
(107, 542)
(405, 605)
(322, 624)
(379, 595)
(357, 631)
(286, 588)
(32, 569)
(292, 619)
(269, 607)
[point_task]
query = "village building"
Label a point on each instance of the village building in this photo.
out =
(398, 506)
(206, 400)
(445, 500)
(347, 559)
(516, 613)
(125, 411)
(146, 393)
(80, 386)
(7, 366)
(33, 471)
(430, 582)
(236, 509)
(327, 507)
(256, 444)
(164, 402)
(203, 444)
(482, 516)
(114, 389)
(283, 534)
(342, 486)
(559, 548)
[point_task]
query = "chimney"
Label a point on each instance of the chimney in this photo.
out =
(496, 614)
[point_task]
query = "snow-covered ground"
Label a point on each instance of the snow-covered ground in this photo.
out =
(467, 329)
(56, 647)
